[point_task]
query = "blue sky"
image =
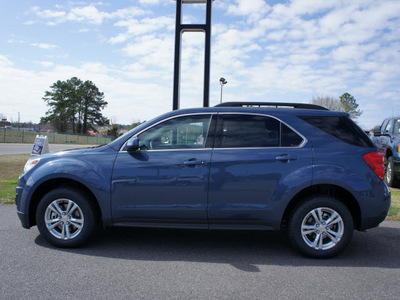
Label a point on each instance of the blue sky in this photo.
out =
(267, 50)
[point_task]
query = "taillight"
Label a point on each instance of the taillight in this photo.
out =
(375, 161)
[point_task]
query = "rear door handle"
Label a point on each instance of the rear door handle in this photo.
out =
(285, 158)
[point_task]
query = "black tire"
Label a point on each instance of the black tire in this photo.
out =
(310, 234)
(390, 176)
(71, 217)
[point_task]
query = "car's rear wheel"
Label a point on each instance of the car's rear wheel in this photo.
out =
(320, 227)
(66, 217)
(391, 178)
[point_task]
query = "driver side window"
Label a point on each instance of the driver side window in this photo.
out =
(396, 126)
(186, 132)
(389, 126)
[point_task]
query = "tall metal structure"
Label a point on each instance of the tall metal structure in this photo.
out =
(179, 30)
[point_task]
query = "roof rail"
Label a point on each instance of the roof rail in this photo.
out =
(275, 104)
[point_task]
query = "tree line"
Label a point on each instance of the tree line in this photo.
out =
(74, 106)
(346, 103)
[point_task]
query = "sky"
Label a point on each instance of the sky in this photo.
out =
(277, 51)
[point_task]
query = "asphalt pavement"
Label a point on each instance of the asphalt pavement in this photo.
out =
(190, 264)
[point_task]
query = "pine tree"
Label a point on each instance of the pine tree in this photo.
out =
(350, 105)
(74, 105)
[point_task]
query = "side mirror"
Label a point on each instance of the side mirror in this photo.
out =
(132, 144)
(377, 131)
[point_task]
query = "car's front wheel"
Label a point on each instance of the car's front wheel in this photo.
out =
(320, 227)
(66, 217)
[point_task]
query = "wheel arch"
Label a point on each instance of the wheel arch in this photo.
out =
(338, 192)
(55, 183)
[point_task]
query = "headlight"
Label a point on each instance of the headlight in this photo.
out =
(30, 164)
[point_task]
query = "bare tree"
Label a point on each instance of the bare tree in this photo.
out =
(328, 102)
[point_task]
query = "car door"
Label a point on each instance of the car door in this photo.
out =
(165, 181)
(257, 160)
(386, 137)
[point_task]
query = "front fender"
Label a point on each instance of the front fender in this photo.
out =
(88, 171)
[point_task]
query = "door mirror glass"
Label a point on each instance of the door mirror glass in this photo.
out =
(377, 131)
(132, 144)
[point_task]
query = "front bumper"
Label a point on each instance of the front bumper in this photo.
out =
(23, 217)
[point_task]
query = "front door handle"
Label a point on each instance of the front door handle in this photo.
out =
(285, 158)
(193, 162)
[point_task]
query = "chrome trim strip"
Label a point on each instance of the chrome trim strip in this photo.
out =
(169, 150)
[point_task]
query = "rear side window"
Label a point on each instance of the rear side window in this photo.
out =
(251, 131)
(340, 127)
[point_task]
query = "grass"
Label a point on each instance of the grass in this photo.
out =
(394, 211)
(11, 167)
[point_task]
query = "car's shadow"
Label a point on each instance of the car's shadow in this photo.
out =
(380, 247)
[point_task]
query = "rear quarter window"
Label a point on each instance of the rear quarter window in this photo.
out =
(342, 128)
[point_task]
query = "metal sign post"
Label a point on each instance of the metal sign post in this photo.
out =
(179, 30)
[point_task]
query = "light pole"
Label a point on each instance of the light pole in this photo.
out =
(222, 82)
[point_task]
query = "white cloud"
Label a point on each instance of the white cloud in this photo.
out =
(149, 1)
(46, 64)
(44, 46)
(5, 61)
(254, 9)
(152, 51)
(48, 14)
(87, 14)
(135, 27)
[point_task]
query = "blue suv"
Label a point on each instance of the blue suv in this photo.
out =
(258, 166)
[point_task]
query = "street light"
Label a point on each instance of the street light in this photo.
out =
(222, 82)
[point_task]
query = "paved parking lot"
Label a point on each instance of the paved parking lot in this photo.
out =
(187, 264)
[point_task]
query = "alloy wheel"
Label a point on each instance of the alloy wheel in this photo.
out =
(64, 219)
(322, 228)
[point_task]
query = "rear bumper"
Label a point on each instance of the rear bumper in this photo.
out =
(379, 212)
(371, 223)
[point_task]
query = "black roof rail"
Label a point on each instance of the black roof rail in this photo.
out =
(275, 104)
